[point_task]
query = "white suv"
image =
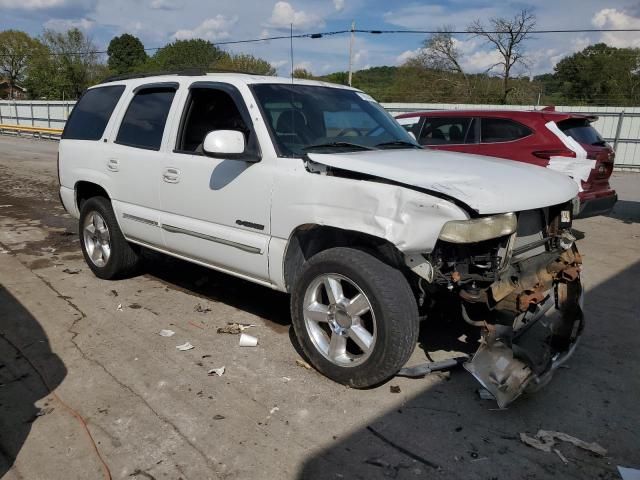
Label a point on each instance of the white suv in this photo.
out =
(313, 189)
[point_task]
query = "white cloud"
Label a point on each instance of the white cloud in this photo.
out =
(166, 4)
(283, 15)
(407, 55)
(63, 24)
(216, 28)
(32, 4)
(612, 18)
(339, 5)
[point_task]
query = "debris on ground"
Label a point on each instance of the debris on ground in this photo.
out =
(562, 457)
(114, 293)
(71, 271)
(2, 250)
(629, 473)
(303, 364)
(119, 308)
(196, 325)
(286, 379)
(135, 306)
(247, 340)
(544, 440)
(235, 328)
(394, 388)
(166, 333)
(184, 347)
(216, 371)
(200, 309)
(273, 410)
(219, 417)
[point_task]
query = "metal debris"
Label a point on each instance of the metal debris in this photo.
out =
(216, 371)
(71, 271)
(544, 440)
(235, 328)
(184, 347)
(166, 333)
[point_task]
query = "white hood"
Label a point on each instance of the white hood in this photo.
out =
(486, 184)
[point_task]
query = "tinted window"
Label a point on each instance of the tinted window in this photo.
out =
(91, 114)
(410, 124)
(447, 130)
(502, 130)
(207, 110)
(581, 131)
(143, 124)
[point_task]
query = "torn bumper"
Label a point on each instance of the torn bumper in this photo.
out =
(513, 360)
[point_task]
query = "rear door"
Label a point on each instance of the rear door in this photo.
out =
(504, 138)
(449, 133)
(216, 211)
(134, 161)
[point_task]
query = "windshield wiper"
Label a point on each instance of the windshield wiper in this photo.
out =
(337, 145)
(398, 143)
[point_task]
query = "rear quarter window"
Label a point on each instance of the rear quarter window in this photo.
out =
(494, 130)
(143, 123)
(91, 114)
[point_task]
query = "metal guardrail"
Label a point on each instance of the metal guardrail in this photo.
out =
(38, 132)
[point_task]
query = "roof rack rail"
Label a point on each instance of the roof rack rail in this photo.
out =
(192, 72)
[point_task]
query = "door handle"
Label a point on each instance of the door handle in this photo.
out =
(113, 164)
(171, 175)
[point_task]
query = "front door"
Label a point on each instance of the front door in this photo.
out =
(216, 211)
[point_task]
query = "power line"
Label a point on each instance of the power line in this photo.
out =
(367, 31)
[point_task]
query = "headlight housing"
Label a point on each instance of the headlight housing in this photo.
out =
(479, 229)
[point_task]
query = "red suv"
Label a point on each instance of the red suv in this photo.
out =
(565, 142)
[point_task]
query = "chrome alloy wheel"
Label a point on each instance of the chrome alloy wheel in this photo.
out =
(339, 319)
(97, 240)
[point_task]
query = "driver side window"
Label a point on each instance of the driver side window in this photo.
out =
(207, 109)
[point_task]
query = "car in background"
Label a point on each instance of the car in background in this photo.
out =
(565, 142)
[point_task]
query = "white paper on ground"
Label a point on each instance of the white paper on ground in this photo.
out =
(184, 347)
(166, 333)
(217, 371)
(578, 168)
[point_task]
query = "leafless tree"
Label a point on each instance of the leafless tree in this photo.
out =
(439, 51)
(507, 36)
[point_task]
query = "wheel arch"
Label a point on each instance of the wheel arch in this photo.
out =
(85, 189)
(309, 239)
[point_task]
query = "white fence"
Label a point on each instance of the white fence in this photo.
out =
(619, 125)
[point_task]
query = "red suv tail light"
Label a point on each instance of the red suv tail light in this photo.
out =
(560, 152)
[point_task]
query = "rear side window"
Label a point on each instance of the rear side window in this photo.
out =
(581, 131)
(448, 131)
(91, 114)
(143, 123)
(410, 124)
(495, 130)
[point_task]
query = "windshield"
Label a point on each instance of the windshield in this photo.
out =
(303, 118)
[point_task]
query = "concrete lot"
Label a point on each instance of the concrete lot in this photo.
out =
(68, 352)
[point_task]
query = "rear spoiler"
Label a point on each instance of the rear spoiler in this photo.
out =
(588, 118)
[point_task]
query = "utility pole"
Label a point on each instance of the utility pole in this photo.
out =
(353, 27)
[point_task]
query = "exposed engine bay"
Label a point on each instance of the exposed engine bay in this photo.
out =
(523, 291)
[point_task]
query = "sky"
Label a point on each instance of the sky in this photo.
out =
(157, 22)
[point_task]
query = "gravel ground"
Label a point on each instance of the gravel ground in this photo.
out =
(77, 352)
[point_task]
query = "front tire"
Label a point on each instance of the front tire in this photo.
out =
(106, 251)
(355, 317)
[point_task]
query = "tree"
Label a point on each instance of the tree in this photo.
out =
(507, 36)
(246, 63)
(126, 54)
(439, 51)
(599, 74)
(302, 73)
(68, 65)
(185, 54)
(16, 48)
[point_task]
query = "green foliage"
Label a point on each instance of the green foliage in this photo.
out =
(302, 73)
(126, 54)
(186, 54)
(16, 48)
(245, 63)
(65, 67)
(599, 74)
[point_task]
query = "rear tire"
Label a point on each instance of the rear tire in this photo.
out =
(355, 317)
(106, 251)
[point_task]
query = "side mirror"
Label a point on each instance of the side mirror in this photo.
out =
(224, 144)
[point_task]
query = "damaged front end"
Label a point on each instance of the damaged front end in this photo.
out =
(522, 289)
